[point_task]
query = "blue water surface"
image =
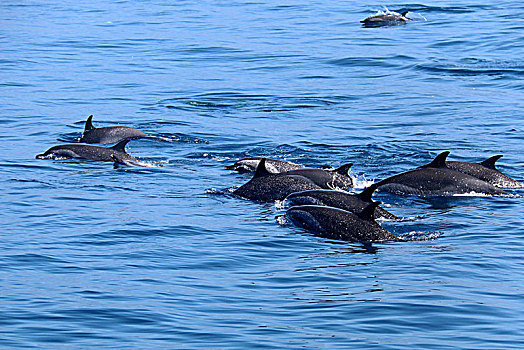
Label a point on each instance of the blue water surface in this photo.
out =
(159, 257)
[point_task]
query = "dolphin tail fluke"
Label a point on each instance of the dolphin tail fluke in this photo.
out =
(367, 193)
(261, 169)
(368, 213)
(121, 146)
(343, 170)
(439, 161)
(490, 162)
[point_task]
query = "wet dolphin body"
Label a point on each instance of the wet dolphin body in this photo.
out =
(387, 18)
(486, 171)
(266, 187)
(436, 179)
(109, 134)
(328, 179)
(250, 164)
(354, 203)
(335, 223)
(116, 154)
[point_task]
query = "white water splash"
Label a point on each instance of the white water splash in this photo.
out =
(360, 182)
(280, 204)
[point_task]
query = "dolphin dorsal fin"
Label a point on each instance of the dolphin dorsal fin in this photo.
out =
(403, 14)
(368, 213)
(261, 169)
(89, 124)
(343, 170)
(439, 161)
(121, 146)
(490, 162)
(367, 193)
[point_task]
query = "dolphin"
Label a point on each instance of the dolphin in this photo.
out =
(328, 179)
(486, 171)
(250, 164)
(116, 154)
(110, 134)
(437, 179)
(385, 18)
(266, 187)
(354, 203)
(335, 223)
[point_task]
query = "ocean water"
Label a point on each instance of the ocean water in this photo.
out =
(160, 257)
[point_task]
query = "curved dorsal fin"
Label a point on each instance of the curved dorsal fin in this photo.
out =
(490, 162)
(89, 124)
(439, 161)
(367, 193)
(403, 14)
(121, 146)
(261, 169)
(368, 213)
(343, 170)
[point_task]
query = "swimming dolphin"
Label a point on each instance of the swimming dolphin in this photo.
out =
(109, 134)
(354, 203)
(335, 223)
(328, 179)
(436, 179)
(250, 164)
(385, 18)
(266, 187)
(117, 153)
(486, 171)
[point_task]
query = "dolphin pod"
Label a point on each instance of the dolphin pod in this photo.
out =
(317, 202)
(109, 134)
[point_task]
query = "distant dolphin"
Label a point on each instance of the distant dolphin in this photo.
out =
(266, 187)
(354, 203)
(334, 223)
(436, 179)
(328, 179)
(250, 164)
(486, 171)
(385, 18)
(109, 134)
(116, 154)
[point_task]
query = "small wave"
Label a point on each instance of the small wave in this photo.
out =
(473, 67)
(227, 101)
(419, 236)
(479, 194)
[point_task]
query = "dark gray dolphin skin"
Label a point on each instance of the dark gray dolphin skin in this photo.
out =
(328, 179)
(436, 179)
(110, 134)
(335, 223)
(387, 18)
(354, 203)
(250, 164)
(486, 171)
(117, 153)
(266, 187)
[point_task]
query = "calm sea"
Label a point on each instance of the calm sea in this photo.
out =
(159, 257)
